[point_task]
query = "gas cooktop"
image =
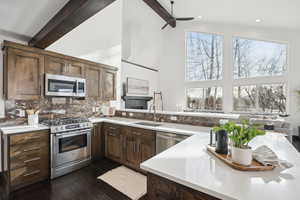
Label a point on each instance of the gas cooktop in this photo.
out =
(67, 124)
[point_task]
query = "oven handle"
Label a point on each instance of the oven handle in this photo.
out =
(73, 133)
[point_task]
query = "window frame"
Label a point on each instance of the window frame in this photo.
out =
(228, 82)
(189, 84)
(260, 80)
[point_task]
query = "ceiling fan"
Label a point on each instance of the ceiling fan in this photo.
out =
(176, 19)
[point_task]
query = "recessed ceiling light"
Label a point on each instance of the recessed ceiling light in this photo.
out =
(199, 17)
(258, 20)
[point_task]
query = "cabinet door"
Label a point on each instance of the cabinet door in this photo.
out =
(93, 79)
(97, 142)
(113, 143)
(131, 151)
(161, 189)
(24, 71)
(109, 85)
(55, 65)
(75, 69)
(147, 145)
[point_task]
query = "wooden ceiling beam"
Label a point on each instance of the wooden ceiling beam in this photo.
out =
(70, 16)
(161, 11)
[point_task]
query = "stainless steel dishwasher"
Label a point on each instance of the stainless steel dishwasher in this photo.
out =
(167, 140)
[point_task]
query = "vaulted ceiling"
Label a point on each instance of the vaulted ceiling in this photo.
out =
(27, 17)
(272, 13)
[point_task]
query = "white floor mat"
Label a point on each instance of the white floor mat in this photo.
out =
(127, 181)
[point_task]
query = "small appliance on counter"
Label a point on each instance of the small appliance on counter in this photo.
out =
(108, 111)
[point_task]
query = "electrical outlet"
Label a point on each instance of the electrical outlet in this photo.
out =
(20, 113)
(124, 114)
(131, 114)
(173, 118)
(94, 109)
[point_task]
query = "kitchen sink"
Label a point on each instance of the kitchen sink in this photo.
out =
(148, 123)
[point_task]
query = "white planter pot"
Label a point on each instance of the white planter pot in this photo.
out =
(241, 156)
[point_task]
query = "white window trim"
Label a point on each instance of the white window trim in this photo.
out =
(228, 82)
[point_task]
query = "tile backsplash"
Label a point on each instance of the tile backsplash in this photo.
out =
(49, 107)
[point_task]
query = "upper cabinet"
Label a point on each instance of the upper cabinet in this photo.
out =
(25, 68)
(61, 66)
(93, 82)
(75, 69)
(23, 74)
(109, 85)
(55, 65)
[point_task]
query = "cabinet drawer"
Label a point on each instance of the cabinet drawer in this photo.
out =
(27, 174)
(19, 160)
(112, 130)
(28, 138)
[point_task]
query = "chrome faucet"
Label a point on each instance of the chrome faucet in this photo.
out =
(154, 104)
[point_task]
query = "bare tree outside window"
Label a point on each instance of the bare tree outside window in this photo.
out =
(244, 98)
(199, 99)
(272, 98)
(253, 58)
(204, 56)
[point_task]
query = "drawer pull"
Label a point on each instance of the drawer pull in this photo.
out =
(31, 160)
(32, 138)
(112, 128)
(32, 149)
(112, 134)
(32, 173)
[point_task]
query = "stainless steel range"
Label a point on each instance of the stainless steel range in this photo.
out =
(70, 144)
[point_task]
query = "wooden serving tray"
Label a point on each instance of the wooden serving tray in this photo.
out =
(255, 166)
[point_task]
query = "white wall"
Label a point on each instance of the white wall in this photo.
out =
(141, 42)
(97, 39)
(172, 63)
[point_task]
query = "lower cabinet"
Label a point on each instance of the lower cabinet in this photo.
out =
(113, 142)
(159, 188)
(127, 145)
(97, 142)
(28, 158)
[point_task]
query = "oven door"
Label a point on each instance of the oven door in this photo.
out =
(58, 85)
(71, 147)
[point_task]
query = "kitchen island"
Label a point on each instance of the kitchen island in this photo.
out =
(190, 165)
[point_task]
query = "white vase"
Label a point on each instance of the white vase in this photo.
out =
(241, 156)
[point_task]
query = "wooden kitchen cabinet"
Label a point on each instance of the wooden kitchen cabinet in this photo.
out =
(131, 148)
(108, 85)
(93, 82)
(159, 188)
(63, 66)
(28, 158)
(75, 69)
(23, 74)
(113, 142)
(138, 146)
(54, 65)
(97, 142)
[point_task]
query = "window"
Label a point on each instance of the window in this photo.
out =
(244, 98)
(268, 98)
(255, 80)
(204, 56)
(254, 58)
(204, 99)
(264, 63)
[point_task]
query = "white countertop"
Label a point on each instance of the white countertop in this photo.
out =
(164, 127)
(188, 163)
(22, 129)
(192, 114)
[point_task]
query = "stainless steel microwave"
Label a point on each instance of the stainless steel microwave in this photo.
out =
(64, 86)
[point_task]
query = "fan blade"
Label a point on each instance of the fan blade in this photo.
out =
(185, 18)
(165, 26)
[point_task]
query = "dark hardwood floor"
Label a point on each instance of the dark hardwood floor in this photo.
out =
(79, 185)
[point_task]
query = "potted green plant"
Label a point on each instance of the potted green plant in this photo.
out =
(240, 136)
